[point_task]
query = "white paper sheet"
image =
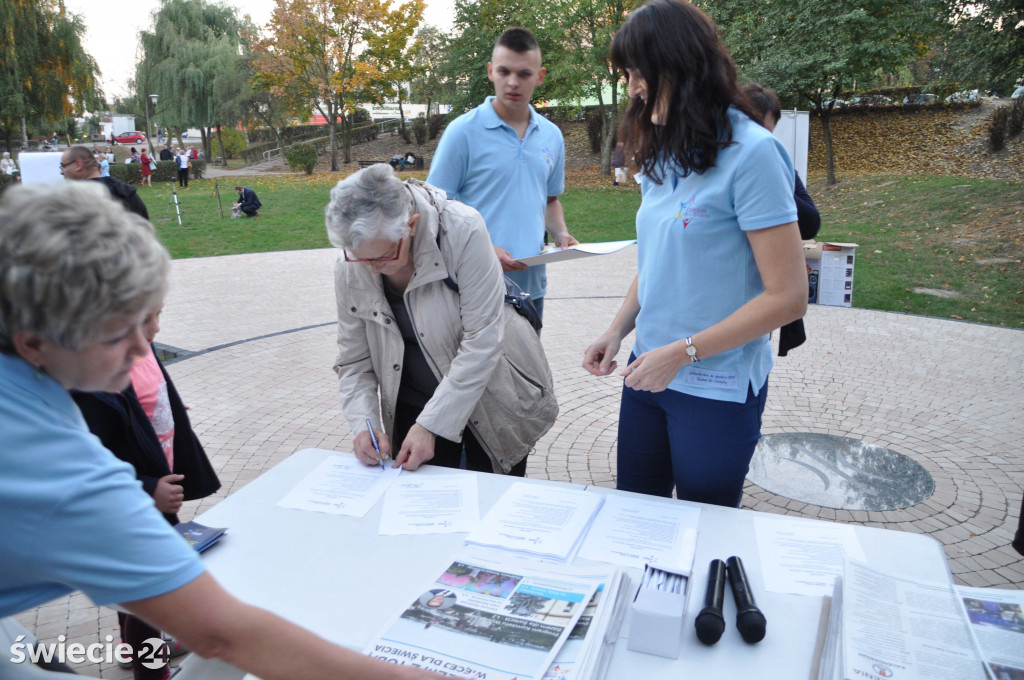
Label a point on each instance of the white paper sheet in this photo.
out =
(556, 254)
(431, 504)
(341, 485)
(633, 532)
(802, 557)
(538, 520)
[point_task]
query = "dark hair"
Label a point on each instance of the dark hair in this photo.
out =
(675, 48)
(763, 99)
(518, 40)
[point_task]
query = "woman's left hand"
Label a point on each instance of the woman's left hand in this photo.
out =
(417, 448)
(653, 371)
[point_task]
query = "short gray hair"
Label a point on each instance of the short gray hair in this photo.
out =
(369, 204)
(70, 257)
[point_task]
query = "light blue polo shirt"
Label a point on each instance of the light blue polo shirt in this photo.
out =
(695, 264)
(481, 162)
(74, 516)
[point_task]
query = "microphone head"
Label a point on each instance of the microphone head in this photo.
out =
(752, 625)
(710, 625)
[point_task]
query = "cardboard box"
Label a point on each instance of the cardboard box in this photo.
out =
(830, 268)
(656, 626)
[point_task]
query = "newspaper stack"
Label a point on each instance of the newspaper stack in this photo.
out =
(887, 626)
(538, 521)
(508, 620)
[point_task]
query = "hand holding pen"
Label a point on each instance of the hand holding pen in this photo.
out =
(372, 447)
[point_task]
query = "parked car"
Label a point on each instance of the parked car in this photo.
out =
(870, 100)
(130, 137)
(963, 96)
(1018, 93)
(920, 98)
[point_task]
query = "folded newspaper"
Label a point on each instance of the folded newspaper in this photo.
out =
(887, 626)
(504, 620)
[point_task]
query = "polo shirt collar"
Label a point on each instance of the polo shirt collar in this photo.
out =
(23, 376)
(493, 120)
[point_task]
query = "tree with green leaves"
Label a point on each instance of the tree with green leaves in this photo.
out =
(985, 48)
(811, 51)
(46, 76)
(583, 68)
(391, 52)
(428, 56)
(195, 58)
(315, 56)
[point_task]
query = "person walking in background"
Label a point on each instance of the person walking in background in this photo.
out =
(719, 262)
(508, 162)
(183, 165)
(619, 164)
(765, 102)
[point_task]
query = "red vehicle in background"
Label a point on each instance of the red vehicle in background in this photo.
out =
(130, 137)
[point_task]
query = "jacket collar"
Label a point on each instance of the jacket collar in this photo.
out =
(427, 257)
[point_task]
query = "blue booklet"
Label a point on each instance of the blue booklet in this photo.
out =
(199, 536)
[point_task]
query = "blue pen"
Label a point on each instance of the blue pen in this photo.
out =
(376, 446)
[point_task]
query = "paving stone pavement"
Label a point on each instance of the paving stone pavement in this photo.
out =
(944, 393)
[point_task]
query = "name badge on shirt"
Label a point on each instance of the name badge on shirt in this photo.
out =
(702, 377)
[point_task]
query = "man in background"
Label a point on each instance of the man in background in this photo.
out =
(508, 162)
(78, 163)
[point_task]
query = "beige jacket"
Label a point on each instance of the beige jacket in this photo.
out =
(492, 372)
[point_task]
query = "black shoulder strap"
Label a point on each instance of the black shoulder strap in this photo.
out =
(448, 279)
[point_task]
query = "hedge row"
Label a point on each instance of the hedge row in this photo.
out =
(166, 171)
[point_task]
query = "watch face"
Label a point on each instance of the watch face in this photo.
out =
(691, 351)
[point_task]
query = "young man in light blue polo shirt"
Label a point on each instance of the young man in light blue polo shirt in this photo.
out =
(508, 162)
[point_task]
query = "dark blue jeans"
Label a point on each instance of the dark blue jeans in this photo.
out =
(701, 447)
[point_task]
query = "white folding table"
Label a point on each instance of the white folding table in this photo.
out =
(337, 577)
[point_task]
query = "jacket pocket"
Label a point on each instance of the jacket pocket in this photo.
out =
(518, 394)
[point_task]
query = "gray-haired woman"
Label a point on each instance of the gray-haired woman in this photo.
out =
(78, 274)
(426, 345)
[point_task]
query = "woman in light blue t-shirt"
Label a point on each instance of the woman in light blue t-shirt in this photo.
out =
(719, 262)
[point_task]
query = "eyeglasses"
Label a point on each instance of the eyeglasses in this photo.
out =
(64, 165)
(385, 258)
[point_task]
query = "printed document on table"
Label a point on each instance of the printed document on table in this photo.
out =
(540, 520)
(556, 254)
(996, 619)
(633, 532)
(430, 504)
(504, 620)
(803, 557)
(341, 485)
(893, 627)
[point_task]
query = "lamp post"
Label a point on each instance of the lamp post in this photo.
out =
(149, 136)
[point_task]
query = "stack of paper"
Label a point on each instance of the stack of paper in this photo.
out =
(586, 653)
(503, 620)
(341, 485)
(539, 521)
(886, 626)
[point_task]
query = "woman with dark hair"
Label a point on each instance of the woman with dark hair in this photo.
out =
(719, 262)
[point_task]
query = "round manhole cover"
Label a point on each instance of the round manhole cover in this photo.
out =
(838, 472)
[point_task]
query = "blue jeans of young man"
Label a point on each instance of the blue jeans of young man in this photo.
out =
(701, 447)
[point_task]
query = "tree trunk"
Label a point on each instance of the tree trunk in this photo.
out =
(24, 133)
(826, 130)
(401, 117)
(223, 154)
(346, 122)
(332, 125)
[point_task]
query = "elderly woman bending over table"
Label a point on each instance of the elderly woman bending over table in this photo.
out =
(78, 275)
(426, 344)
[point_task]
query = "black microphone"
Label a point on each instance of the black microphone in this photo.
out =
(710, 622)
(749, 619)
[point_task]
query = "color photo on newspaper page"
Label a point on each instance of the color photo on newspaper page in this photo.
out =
(501, 621)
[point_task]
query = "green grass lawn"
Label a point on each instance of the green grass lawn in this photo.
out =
(913, 232)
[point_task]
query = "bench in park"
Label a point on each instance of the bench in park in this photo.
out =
(417, 165)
